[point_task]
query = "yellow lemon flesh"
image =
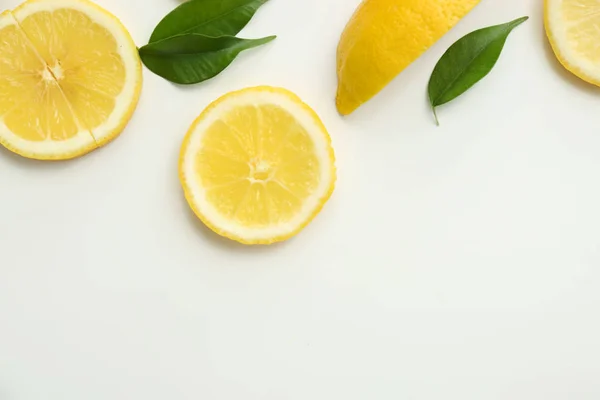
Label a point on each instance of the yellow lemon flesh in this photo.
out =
(257, 165)
(386, 36)
(572, 28)
(70, 78)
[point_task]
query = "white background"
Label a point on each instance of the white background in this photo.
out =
(456, 263)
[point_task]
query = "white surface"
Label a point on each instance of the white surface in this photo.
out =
(456, 263)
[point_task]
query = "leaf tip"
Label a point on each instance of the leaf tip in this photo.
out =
(519, 21)
(265, 39)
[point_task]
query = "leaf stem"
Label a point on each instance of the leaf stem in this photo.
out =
(437, 121)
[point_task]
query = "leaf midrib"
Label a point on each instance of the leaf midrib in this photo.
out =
(242, 43)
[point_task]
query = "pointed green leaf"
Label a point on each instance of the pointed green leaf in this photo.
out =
(193, 58)
(468, 61)
(207, 17)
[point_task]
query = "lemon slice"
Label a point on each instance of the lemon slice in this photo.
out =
(70, 78)
(572, 28)
(257, 165)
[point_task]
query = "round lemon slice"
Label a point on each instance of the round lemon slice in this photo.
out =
(572, 28)
(257, 165)
(70, 78)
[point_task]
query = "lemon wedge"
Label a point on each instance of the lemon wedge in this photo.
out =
(383, 37)
(257, 165)
(70, 78)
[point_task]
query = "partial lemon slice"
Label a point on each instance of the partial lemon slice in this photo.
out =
(35, 117)
(70, 78)
(572, 28)
(257, 165)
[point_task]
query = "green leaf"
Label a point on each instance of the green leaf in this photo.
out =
(468, 61)
(207, 17)
(193, 58)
